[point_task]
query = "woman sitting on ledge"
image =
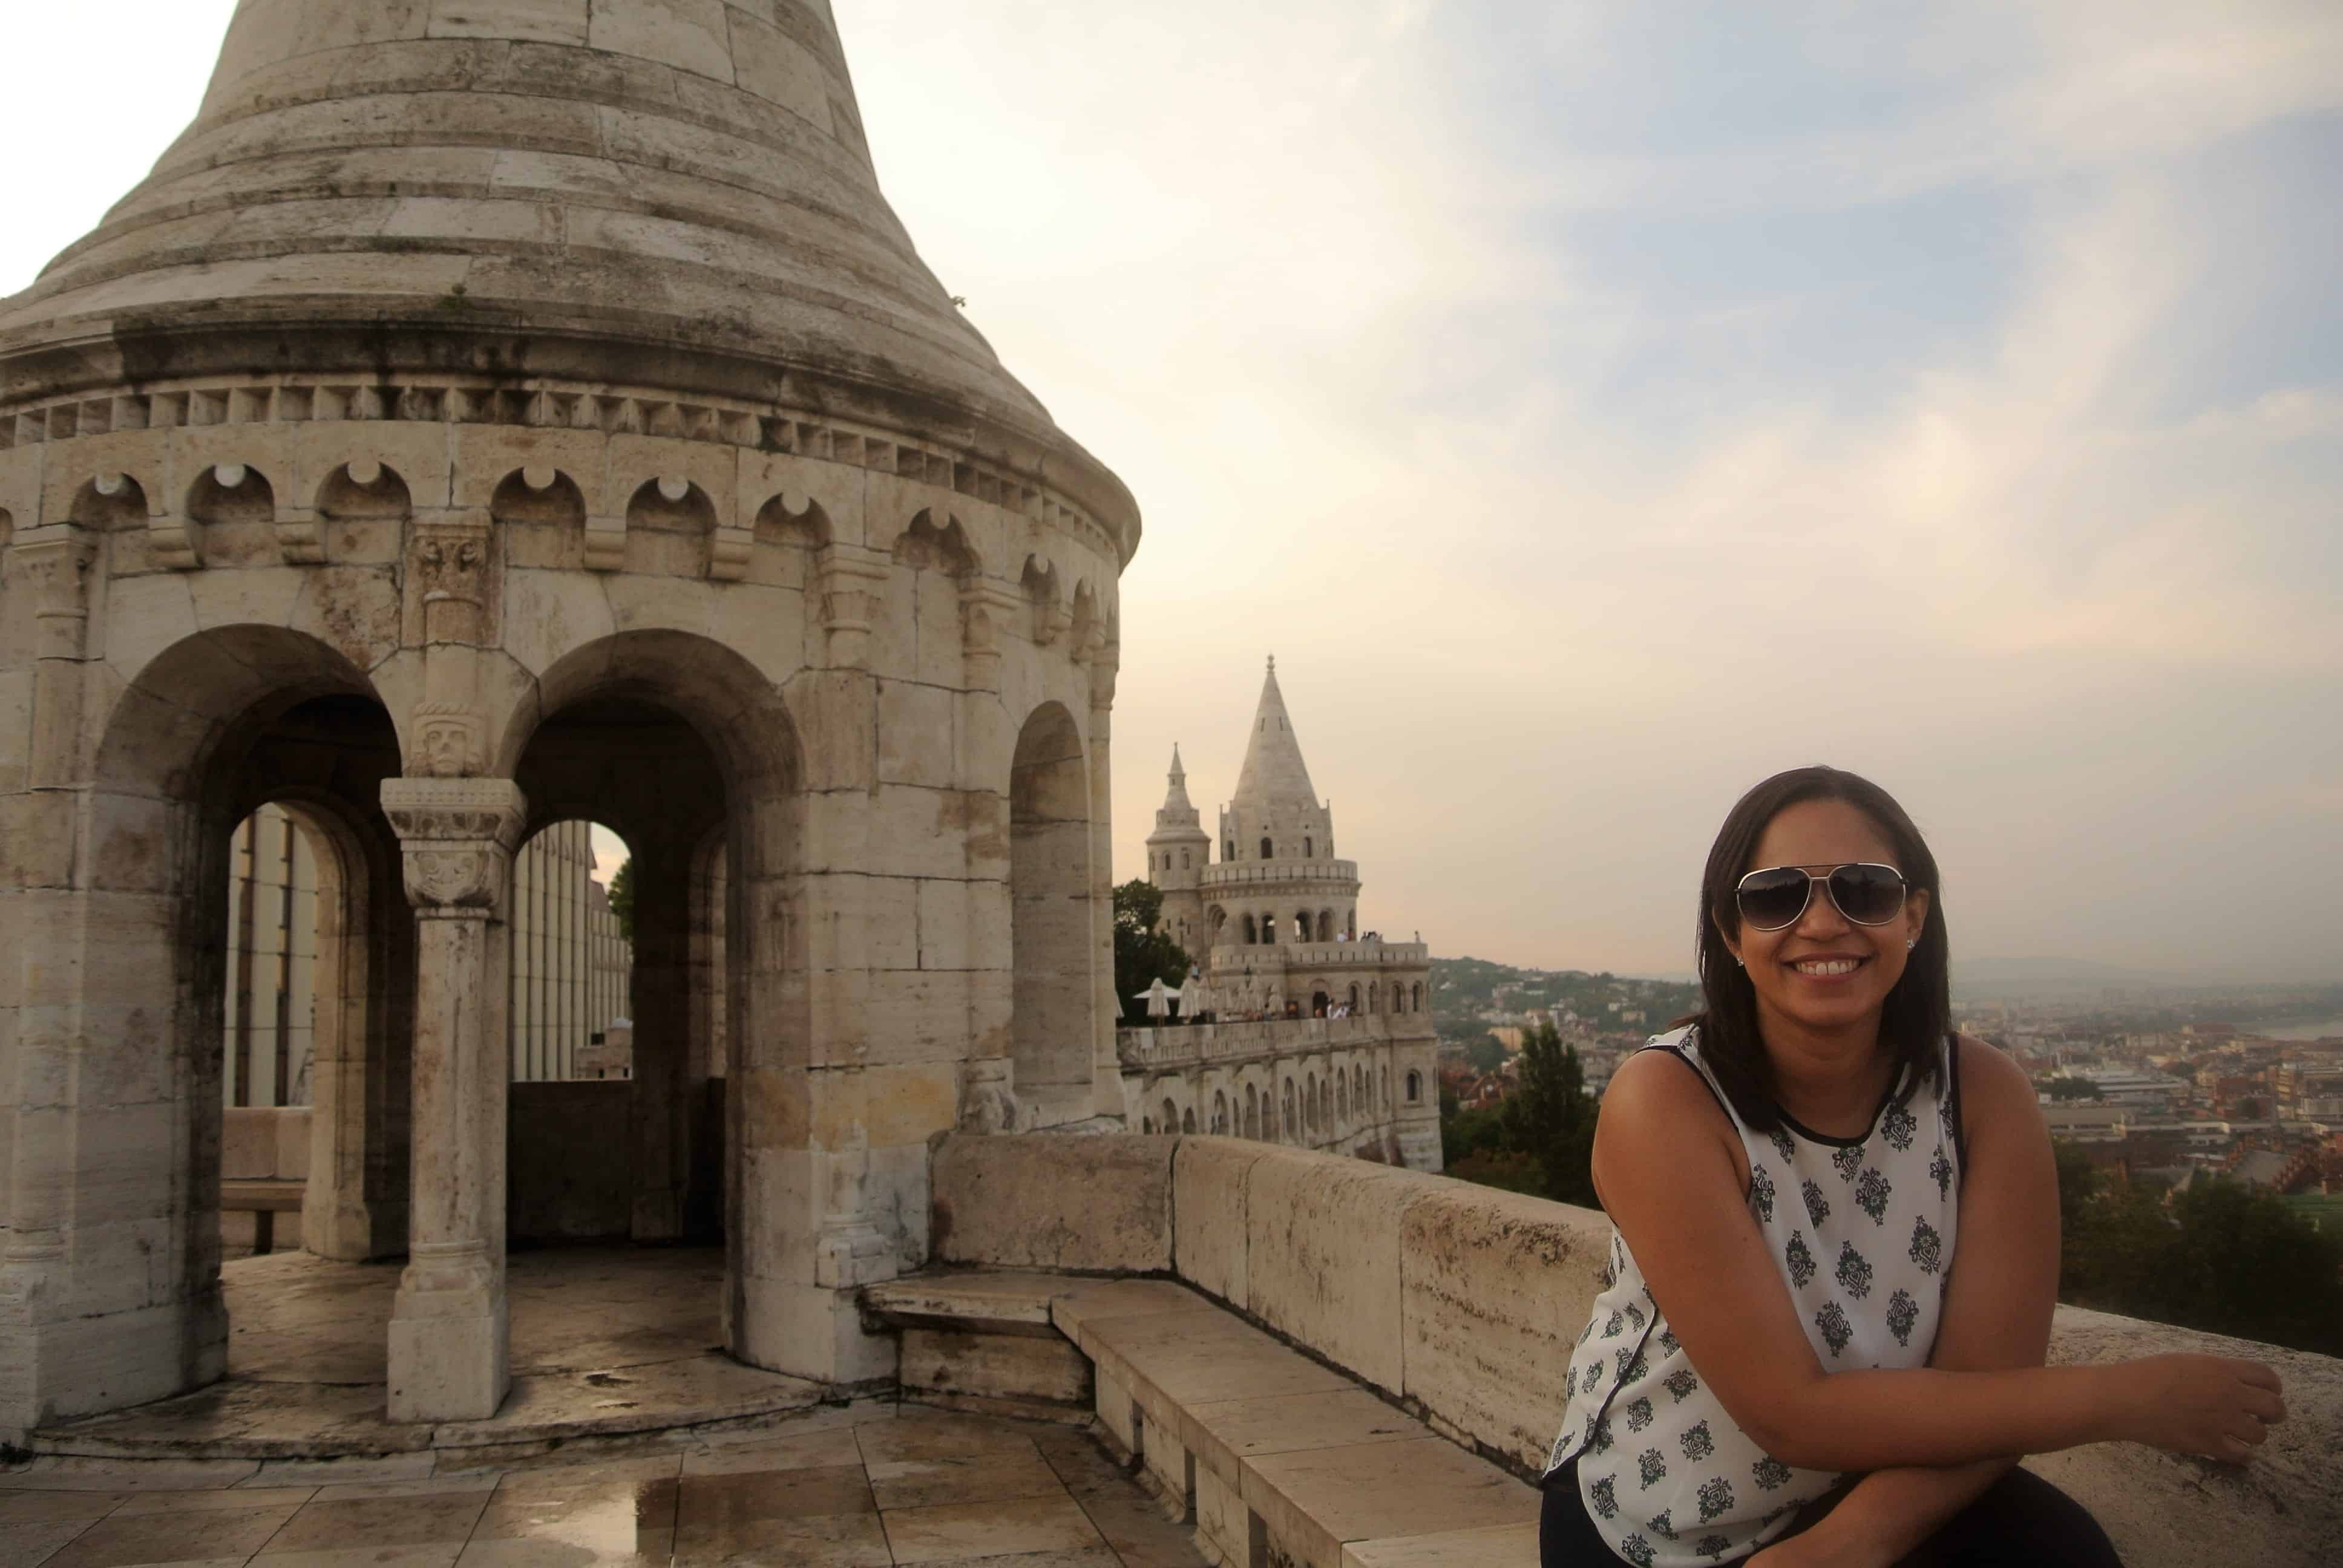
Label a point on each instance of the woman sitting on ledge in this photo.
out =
(1836, 1248)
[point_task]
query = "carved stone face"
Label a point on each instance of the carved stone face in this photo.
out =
(446, 750)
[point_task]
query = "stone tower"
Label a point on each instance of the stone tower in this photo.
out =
(1279, 830)
(494, 413)
(1177, 853)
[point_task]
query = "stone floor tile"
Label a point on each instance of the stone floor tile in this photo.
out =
(631, 1520)
(234, 1497)
(440, 1555)
(31, 1541)
(952, 1531)
(1082, 1461)
(382, 1522)
(936, 1435)
(1135, 1525)
(1078, 1557)
(957, 1478)
(711, 1504)
(234, 1534)
(450, 1485)
(53, 1473)
(819, 1541)
(608, 1474)
(50, 1507)
(800, 1451)
(553, 1555)
(417, 1466)
(1499, 1547)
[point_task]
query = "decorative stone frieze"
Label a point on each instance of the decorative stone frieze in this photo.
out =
(456, 836)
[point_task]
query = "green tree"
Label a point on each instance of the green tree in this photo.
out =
(2219, 1256)
(622, 897)
(1143, 953)
(1485, 1054)
(2064, 1088)
(1550, 1117)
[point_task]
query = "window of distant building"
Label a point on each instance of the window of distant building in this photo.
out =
(1414, 1088)
(1183, 860)
(1266, 853)
(1309, 847)
(1232, 851)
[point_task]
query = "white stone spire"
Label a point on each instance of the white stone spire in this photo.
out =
(1275, 779)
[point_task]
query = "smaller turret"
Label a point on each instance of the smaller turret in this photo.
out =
(1177, 853)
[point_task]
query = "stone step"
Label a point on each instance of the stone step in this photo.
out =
(1274, 1456)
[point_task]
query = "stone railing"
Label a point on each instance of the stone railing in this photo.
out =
(1461, 1305)
(1249, 873)
(1196, 1045)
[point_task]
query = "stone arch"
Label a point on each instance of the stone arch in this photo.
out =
(1268, 848)
(1309, 1100)
(1170, 1119)
(1414, 1087)
(1188, 1120)
(231, 517)
(1286, 1125)
(671, 526)
(680, 744)
(1251, 932)
(211, 727)
(926, 620)
(1415, 996)
(1251, 1112)
(1342, 1097)
(1038, 583)
(929, 543)
(365, 489)
(1220, 1112)
(110, 503)
(1051, 1030)
(1354, 996)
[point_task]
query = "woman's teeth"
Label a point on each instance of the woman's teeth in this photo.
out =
(1827, 966)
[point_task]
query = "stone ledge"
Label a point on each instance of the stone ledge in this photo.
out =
(1490, 1289)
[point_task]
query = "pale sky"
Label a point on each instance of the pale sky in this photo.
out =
(1598, 407)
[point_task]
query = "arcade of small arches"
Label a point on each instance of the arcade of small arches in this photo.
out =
(1347, 1106)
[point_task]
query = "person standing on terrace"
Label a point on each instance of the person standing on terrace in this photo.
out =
(1835, 1248)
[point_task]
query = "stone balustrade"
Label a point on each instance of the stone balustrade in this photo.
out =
(1460, 1303)
(1229, 874)
(1194, 1045)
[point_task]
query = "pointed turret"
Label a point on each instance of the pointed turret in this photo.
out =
(1177, 853)
(1274, 777)
(626, 193)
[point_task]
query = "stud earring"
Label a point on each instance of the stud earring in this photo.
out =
(1909, 945)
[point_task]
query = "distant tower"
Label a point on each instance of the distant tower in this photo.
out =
(1177, 853)
(1290, 886)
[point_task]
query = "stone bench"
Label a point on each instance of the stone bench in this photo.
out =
(1273, 1455)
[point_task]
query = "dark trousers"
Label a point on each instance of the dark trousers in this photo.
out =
(2019, 1522)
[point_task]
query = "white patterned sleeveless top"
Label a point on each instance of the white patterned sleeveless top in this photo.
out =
(1861, 1231)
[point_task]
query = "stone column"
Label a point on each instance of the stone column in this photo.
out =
(449, 1358)
(1101, 661)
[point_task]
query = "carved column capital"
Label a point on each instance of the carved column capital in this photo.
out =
(459, 836)
(851, 578)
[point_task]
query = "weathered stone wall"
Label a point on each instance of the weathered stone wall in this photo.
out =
(1463, 1302)
(566, 1152)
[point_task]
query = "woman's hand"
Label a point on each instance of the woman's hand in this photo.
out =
(2209, 1405)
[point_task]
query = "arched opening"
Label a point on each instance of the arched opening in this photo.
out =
(1231, 852)
(1170, 1117)
(1325, 925)
(1415, 996)
(1251, 1112)
(1317, 1004)
(684, 754)
(1266, 852)
(1220, 1112)
(1341, 1098)
(1301, 925)
(1385, 1096)
(1354, 997)
(1286, 1124)
(256, 976)
(1188, 1120)
(1310, 1101)
(1251, 932)
(1052, 1038)
(1414, 1088)
(1325, 1104)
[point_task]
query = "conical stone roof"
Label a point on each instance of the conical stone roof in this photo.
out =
(1177, 821)
(1274, 778)
(672, 193)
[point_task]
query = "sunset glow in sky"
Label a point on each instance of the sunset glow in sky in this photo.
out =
(1598, 407)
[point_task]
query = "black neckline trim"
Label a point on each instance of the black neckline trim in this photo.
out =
(1895, 1086)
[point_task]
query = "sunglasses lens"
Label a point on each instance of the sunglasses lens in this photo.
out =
(1772, 899)
(1867, 895)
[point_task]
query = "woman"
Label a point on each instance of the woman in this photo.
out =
(1836, 1248)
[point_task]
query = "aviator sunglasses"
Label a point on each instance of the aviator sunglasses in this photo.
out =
(1777, 897)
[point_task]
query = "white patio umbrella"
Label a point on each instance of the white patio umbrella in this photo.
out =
(1192, 997)
(1158, 997)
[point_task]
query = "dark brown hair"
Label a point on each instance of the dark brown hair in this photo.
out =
(1918, 1013)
